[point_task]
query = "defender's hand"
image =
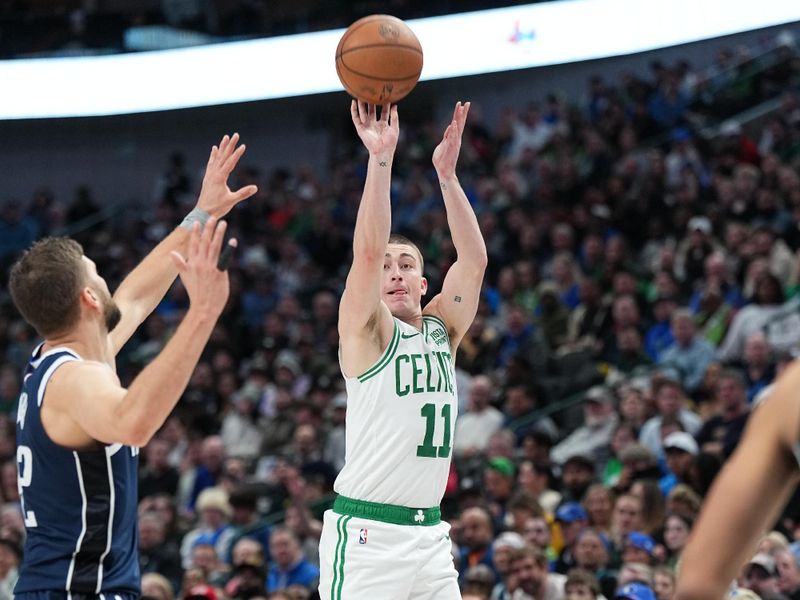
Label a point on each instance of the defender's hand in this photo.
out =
(216, 198)
(206, 285)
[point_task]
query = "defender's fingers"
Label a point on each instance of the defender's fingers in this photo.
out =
(226, 255)
(212, 156)
(244, 193)
(223, 145)
(230, 162)
(215, 247)
(206, 236)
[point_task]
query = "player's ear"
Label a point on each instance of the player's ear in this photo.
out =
(90, 297)
(423, 286)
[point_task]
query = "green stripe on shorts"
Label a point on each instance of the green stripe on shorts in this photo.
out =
(338, 557)
(339, 540)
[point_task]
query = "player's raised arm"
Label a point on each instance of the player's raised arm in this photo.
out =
(458, 302)
(361, 301)
(746, 498)
(145, 286)
(89, 394)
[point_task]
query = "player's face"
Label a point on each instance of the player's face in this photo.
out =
(111, 312)
(403, 283)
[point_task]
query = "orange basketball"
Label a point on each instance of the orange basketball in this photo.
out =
(379, 59)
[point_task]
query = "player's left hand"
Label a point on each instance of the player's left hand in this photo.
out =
(216, 198)
(445, 156)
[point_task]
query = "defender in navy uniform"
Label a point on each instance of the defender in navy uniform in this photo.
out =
(78, 429)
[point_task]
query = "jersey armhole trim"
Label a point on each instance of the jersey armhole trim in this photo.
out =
(49, 373)
(440, 322)
(385, 359)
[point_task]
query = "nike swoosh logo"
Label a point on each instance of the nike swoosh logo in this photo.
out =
(409, 335)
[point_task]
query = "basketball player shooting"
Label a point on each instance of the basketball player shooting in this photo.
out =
(747, 497)
(78, 430)
(384, 537)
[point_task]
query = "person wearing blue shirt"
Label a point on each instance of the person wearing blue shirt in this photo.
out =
(659, 336)
(289, 566)
(690, 355)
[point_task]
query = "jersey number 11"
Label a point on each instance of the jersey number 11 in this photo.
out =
(427, 449)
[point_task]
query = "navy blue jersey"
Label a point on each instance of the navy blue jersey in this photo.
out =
(79, 506)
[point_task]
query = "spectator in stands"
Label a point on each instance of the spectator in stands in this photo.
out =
(721, 434)
(757, 365)
(572, 519)
(680, 448)
(592, 554)
(289, 566)
(531, 579)
(212, 458)
(767, 300)
(157, 476)
(761, 576)
(788, 563)
(477, 533)
(213, 527)
(498, 485)
(670, 403)
(248, 580)
(534, 479)
(474, 428)
(638, 548)
(520, 403)
(690, 354)
(659, 335)
(577, 474)
(593, 437)
(677, 528)
(157, 586)
(626, 518)
(664, 583)
(156, 554)
(503, 549)
(552, 316)
(10, 558)
(241, 433)
(334, 450)
(646, 488)
(588, 320)
(599, 504)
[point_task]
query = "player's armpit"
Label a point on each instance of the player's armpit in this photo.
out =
(364, 344)
(458, 301)
(361, 299)
(83, 404)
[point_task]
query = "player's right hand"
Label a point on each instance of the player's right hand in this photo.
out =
(206, 285)
(379, 135)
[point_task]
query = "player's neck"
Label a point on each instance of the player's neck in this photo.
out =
(89, 340)
(414, 320)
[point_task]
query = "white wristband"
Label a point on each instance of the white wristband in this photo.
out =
(197, 215)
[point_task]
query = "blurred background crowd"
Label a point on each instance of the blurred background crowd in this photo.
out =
(641, 297)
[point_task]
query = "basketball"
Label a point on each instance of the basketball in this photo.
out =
(379, 59)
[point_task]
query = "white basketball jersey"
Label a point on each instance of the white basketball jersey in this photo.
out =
(401, 414)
